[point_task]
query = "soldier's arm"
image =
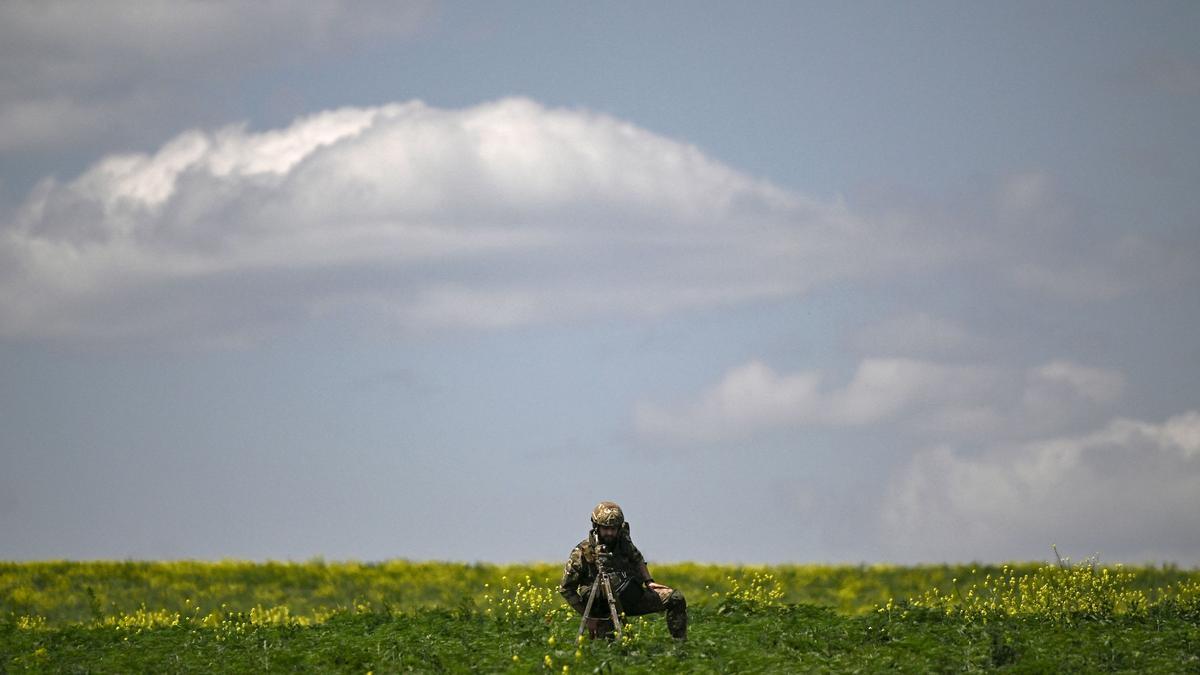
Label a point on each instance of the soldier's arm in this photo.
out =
(573, 578)
(639, 562)
(645, 572)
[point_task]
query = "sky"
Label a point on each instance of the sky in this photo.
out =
(790, 281)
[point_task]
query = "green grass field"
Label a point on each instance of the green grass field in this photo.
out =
(434, 617)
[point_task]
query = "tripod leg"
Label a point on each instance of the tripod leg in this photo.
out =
(612, 606)
(588, 609)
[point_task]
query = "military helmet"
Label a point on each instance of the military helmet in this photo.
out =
(607, 514)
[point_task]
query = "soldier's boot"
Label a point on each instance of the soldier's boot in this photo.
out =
(677, 617)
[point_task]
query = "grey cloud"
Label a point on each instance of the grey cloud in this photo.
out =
(1111, 270)
(53, 121)
(1101, 386)
(1048, 243)
(919, 334)
(1051, 398)
(1025, 232)
(1173, 74)
(70, 70)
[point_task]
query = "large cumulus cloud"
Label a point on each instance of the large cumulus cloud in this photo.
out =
(500, 214)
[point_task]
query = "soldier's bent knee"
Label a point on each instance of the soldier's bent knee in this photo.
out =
(675, 599)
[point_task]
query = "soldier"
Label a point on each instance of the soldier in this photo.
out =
(636, 591)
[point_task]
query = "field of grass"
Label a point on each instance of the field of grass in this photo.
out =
(432, 617)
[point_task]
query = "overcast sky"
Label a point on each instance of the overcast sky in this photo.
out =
(789, 281)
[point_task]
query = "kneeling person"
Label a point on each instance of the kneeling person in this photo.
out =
(636, 591)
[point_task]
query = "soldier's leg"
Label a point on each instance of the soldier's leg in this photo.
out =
(677, 616)
(600, 628)
(662, 599)
(599, 624)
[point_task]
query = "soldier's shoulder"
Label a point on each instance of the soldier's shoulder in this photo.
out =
(580, 551)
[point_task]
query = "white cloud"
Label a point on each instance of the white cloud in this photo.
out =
(1097, 384)
(1120, 492)
(754, 398)
(749, 397)
(883, 388)
(501, 214)
(923, 397)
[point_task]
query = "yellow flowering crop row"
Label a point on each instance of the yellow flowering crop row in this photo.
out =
(1060, 592)
(134, 595)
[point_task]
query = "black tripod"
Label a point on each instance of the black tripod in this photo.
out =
(602, 579)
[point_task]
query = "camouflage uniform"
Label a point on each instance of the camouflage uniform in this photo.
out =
(626, 568)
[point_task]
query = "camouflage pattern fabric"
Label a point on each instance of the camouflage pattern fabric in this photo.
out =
(625, 563)
(580, 571)
(608, 514)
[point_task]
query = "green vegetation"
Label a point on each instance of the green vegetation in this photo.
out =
(400, 616)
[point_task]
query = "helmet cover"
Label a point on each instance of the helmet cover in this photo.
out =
(607, 514)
